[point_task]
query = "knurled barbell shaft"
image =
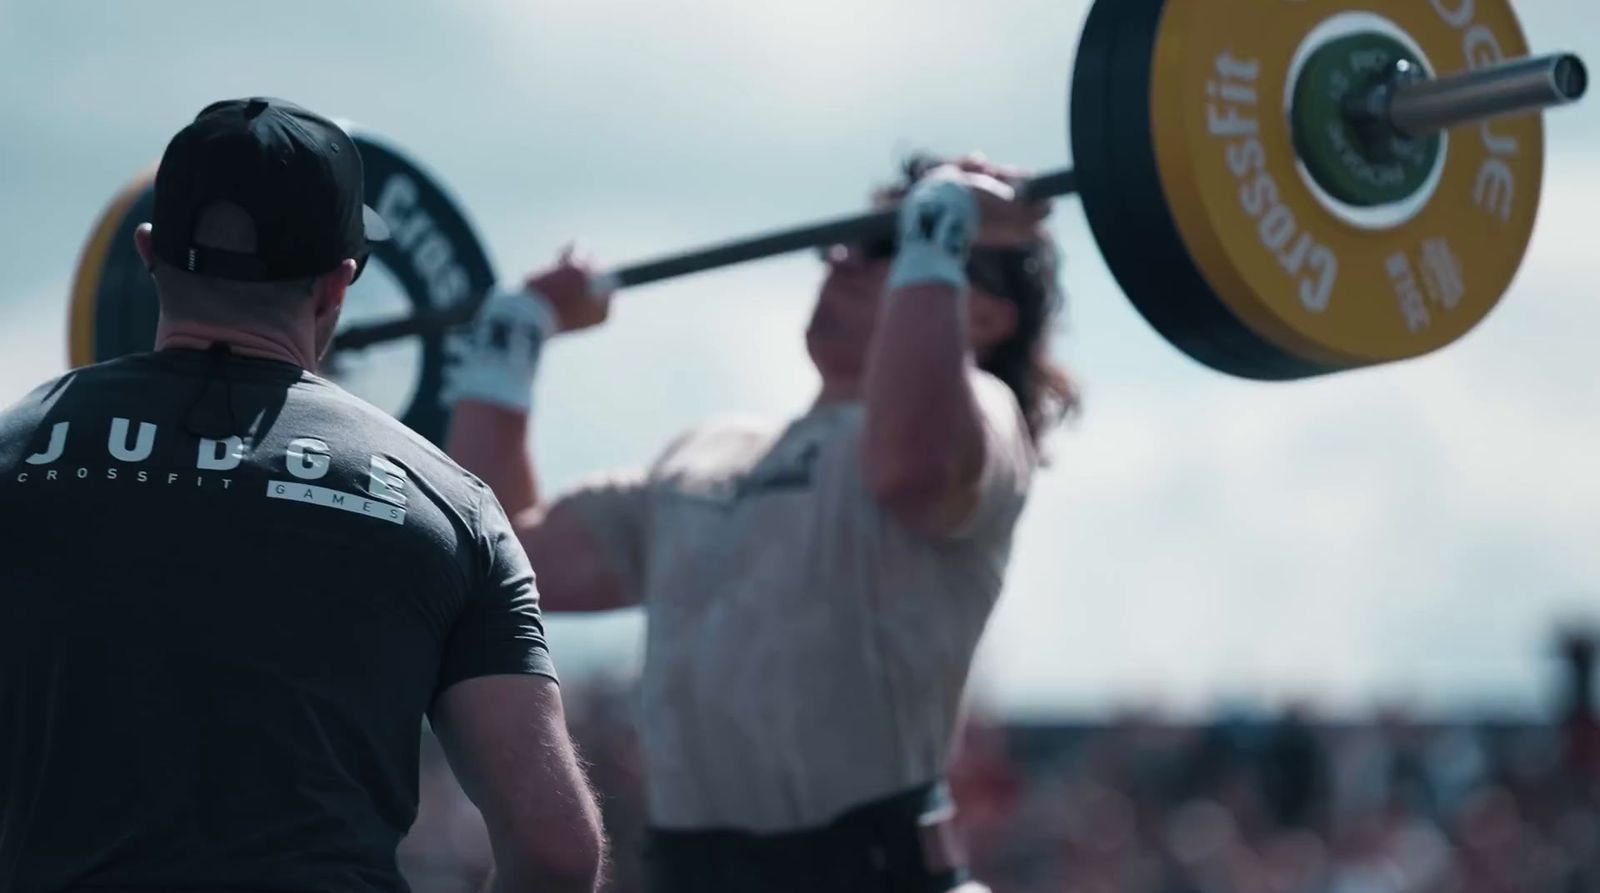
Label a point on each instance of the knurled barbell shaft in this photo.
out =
(1511, 88)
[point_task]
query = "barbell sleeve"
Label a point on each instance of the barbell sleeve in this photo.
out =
(1515, 87)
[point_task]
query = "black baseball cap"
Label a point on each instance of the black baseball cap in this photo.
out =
(297, 176)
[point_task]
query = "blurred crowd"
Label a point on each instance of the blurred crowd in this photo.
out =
(1280, 806)
(1247, 804)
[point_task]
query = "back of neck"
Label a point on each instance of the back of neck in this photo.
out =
(265, 345)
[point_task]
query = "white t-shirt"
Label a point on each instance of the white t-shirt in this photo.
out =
(805, 651)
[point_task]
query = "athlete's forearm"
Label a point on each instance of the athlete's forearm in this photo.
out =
(924, 432)
(923, 427)
(491, 393)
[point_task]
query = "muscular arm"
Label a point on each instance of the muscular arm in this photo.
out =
(574, 575)
(925, 441)
(507, 743)
(924, 438)
(927, 438)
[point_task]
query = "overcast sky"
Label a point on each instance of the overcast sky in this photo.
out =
(1410, 533)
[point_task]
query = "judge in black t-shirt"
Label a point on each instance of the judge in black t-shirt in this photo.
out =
(230, 591)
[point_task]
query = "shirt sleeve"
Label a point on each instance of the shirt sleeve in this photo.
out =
(500, 630)
(614, 509)
(1008, 464)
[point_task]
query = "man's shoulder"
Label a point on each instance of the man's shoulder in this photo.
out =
(994, 395)
(28, 400)
(380, 429)
(1004, 415)
(720, 441)
(379, 449)
(41, 395)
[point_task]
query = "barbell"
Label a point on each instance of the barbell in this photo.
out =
(1283, 190)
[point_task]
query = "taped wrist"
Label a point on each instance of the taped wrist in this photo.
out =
(499, 355)
(936, 224)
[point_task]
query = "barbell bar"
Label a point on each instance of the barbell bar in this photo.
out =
(1414, 109)
(848, 228)
(1282, 190)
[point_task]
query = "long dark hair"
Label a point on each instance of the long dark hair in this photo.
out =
(1030, 279)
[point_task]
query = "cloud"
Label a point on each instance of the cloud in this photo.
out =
(33, 340)
(1415, 529)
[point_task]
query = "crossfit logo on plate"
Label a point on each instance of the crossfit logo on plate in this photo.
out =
(1233, 114)
(1441, 282)
(1495, 189)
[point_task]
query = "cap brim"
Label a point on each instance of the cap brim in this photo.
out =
(377, 229)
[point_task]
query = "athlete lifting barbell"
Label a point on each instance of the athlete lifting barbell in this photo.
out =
(1282, 191)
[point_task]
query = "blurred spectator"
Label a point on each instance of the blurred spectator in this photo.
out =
(1280, 804)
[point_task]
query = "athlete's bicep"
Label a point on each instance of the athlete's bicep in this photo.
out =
(994, 495)
(987, 496)
(577, 571)
(589, 547)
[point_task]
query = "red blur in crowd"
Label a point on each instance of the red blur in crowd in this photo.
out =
(1245, 804)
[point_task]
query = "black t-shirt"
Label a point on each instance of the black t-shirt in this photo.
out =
(216, 652)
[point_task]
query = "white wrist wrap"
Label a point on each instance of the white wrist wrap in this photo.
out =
(499, 355)
(937, 222)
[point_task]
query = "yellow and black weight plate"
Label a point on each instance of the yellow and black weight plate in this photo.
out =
(113, 307)
(1120, 187)
(433, 261)
(1303, 275)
